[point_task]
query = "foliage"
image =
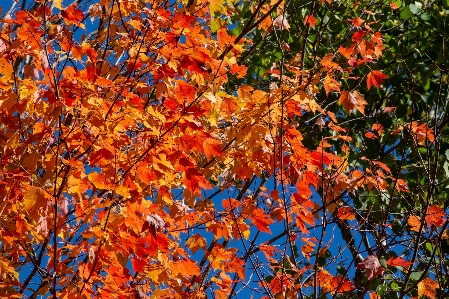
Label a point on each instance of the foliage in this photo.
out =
(275, 149)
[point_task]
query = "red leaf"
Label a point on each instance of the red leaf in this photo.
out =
(185, 91)
(358, 36)
(435, 216)
(375, 78)
(73, 14)
(310, 20)
(398, 262)
(357, 22)
(239, 70)
(372, 267)
(262, 220)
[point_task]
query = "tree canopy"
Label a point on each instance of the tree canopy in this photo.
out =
(224, 149)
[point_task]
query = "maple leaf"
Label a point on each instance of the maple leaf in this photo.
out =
(414, 222)
(281, 22)
(310, 20)
(398, 262)
(239, 70)
(341, 285)
(229, 105)
(375, 78)
(427, 287)
(394, 6)
(401, 186)
(212, 147)
(32, 197)
(269, 251)
(357, 22)
(435, 215)
(372, 267)
(196, 242)
(351, 100)
(155, 223)
(262, 220)
(422, 132)
(224, 38)
(345, 213)
(346, 52)
(73, 15)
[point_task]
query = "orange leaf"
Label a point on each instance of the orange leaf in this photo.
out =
(357, 22)
(229, 105)
(345, 213)
(195, 180)
(269, 251)
(351, 100)
(239, 70)
(196, 242)
(346, 52)
(310, 19)
(427, 287)
(394, 6)
(341, 285)
(375, 78)
(262, 220)
(212, 147)
(414, 222)
(435, 216)
(224, 38)
(185, 92)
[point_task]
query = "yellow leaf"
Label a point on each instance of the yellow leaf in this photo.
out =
(58, 4)
(32, 196)
(196, 242)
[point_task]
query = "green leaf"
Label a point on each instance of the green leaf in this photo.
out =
(416, 8)
(406, 13)
(416, 275)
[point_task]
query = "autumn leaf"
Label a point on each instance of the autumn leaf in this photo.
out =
(375, 78)
(422, 132)
(353, 100)
(73, 15)
(154, 223)
(394, 6)
(229, 105)
(427, 287)
(269, 251)
(31, 197)
(262, 220)
(435, 215)
(345, 213)
(196, 242)
(212, 147)
(372, 267)
(346, 52)
(414, 222)
(398, 262)
(357, 22)
(281, 22)
(310, 20)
